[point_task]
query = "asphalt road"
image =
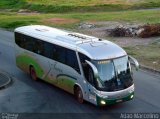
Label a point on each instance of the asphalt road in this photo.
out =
(25, 95)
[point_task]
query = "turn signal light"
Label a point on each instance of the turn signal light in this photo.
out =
(131, 96)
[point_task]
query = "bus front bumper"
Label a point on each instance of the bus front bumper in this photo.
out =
(105, 101)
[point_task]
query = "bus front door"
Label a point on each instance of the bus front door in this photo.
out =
(90, 86)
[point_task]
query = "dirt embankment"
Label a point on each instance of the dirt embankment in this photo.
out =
(142, 31)
(124, 34)
(61, 21)
(119, 29)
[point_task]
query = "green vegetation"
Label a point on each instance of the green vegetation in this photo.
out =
(12, 19)
(147, 55)
(143, 4)
(12, 4)
(60, 6)
(75, 2)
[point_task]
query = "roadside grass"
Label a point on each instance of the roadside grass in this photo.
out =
(75, 2)
(14, 5)
(63, 6)
(13, 19)
(148, 55)
(144, 4)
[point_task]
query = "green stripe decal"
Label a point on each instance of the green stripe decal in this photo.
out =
(66, 82)
(24, 61)
(65, 75)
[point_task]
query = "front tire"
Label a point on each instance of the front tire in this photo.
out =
(33, 73)
(79, 95)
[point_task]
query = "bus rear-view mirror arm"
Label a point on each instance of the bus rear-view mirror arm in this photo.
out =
(95, 71)
(134, 62)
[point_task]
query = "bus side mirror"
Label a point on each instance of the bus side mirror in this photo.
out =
(134, 62)
(95, 71)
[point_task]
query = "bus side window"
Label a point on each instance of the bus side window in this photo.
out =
(59, 54)
(87, 70)
(39, 46)
(29, 44)
(71, 60)
(48, 50)
(91, 76)
(24, 41)
(65, 56)
(19, 40)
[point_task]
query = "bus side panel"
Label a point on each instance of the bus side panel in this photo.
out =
(20, 60)
(24, 60)
(63, 76)
(66, 82)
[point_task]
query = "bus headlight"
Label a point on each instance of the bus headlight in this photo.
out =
(131, 96)
(103, 102)
(131, 90)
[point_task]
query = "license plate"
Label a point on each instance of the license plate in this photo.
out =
(118, 100)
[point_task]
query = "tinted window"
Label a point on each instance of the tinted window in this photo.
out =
(90, 77)
(59, 54)
(55, 52)
(83, 57)
(85, 66)
(71, 60)
(38, 46)
(48, 50)
(29, 43)
(19, 40)
(25, 42)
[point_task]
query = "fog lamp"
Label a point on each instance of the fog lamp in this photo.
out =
(103, 102)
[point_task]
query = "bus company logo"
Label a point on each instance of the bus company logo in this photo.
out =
(9, 116)
(119, 96)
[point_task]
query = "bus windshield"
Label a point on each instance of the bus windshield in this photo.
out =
(115, 74)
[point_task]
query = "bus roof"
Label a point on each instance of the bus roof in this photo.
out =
(93, 47)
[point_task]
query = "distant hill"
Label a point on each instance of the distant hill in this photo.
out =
(77, 5)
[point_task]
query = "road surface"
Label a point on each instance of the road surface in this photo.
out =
(25, 95)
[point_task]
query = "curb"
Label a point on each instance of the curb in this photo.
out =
(149, 69)
(6, 29)
(6, 83)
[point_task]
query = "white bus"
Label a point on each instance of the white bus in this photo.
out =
(92, 69)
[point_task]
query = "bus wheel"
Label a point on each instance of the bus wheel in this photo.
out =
(33, 73)
(79, 95)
